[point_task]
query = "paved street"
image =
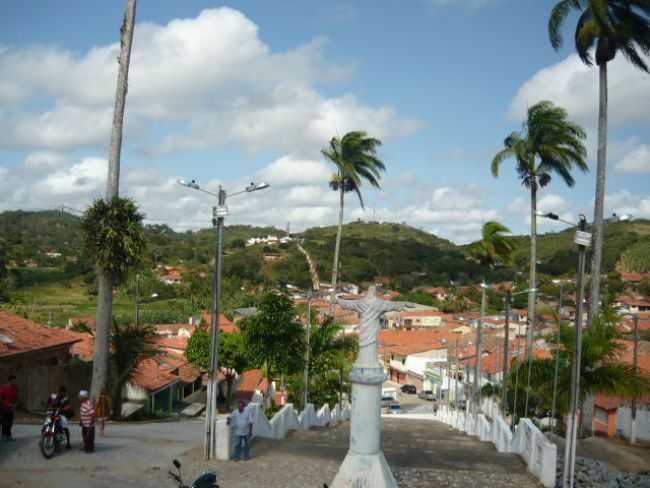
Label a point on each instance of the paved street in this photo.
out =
(421, 453)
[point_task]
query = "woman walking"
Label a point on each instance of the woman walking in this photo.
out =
(103, 410)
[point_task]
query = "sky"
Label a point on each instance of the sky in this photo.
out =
(233, 92)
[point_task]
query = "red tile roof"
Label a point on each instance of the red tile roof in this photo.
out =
(225, 325)
(634, 277)
(19, 335)
(251, 380)
(85, 348)
(151, 376)
(174, 342)
(173, 329)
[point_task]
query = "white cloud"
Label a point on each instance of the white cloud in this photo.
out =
(465, 3)
(574, 86)
(84, 177)
(635, 161)
(289, 170)
(211, 79)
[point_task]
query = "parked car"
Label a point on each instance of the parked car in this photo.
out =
(427, 395)
(410, 389)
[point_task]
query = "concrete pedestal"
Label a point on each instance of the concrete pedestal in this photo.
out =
(365, 465)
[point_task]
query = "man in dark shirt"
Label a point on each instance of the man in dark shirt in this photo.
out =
(8, 401)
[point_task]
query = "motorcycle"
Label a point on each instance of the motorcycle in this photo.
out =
(206, 480)
(52, 434)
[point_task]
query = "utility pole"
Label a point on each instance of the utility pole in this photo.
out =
(557, 354)
(635, 364)
(479, 338)
(219, 213)
(506, 348)
(137, 299)
(583, 240)
(306, 374)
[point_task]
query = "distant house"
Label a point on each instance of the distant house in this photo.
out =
(414, 319)
(53, 254)
(175, 330)
(634, 277)
(632, 304)
(438, 292)
(172, 277)
(39, 356)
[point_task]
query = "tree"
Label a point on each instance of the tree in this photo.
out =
(548, 143)
(130, 347)
(355, 159)
(106, 280)
(197, 351)
(233, 358)
(610, 26)
(273, 337)
(494, 247)
(601, 370)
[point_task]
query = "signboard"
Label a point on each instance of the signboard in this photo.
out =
(583, 238)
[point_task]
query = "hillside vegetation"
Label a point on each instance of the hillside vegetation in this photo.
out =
(402, 257)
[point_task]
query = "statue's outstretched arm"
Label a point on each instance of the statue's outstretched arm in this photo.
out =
(349, 304)
(396, 306)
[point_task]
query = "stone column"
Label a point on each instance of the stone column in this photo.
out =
(365, 465)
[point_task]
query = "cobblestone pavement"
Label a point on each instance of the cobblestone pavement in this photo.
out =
(421, 454)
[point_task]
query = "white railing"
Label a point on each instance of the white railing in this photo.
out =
(539, 454)
(285, 420)
(537, 451)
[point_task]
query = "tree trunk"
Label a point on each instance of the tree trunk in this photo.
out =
(601, 170)
(532, 282)
(598, 231)
(106, 282)
(337, 248)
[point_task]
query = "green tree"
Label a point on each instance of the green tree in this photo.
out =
(130, 347)
(273, 337)
(233, 359)
(494, 247)
(355, 159)
(197, 351)
(601, 370)
(611, 26)
(548, 143)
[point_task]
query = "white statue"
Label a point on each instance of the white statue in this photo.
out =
(370, 308)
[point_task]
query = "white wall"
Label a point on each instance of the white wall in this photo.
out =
(624, 423)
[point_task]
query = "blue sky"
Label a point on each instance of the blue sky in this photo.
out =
(226, 92)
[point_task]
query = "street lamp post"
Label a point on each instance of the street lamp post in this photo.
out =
(506, 345)
(306, 373)
(219, 214)
(557, 351)
(583, 240)
(479, 338)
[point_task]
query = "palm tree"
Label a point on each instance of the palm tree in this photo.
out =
(548, 143)
(130, 347)
(355, 159)
(601, 369)
(611, 26)
(329, 352)
(105, 280)
(493, 248)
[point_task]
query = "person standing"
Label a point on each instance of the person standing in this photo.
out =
(87, 420)
(103, 410)
(8, 402)
(242, 421)
(67, 412)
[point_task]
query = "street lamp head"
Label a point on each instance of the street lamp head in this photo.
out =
(189, 184)
(256, 186)
(547, 215)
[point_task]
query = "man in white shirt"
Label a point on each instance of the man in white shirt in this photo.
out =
(242, 422)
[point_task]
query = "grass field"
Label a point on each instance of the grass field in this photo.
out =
(57, 302)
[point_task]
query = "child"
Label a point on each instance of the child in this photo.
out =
(87, 417)
(103, 410)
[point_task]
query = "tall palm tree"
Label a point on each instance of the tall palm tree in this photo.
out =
(355, 159)
(548, 143)
(610, 26)
(494, 247)
(105, 280)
